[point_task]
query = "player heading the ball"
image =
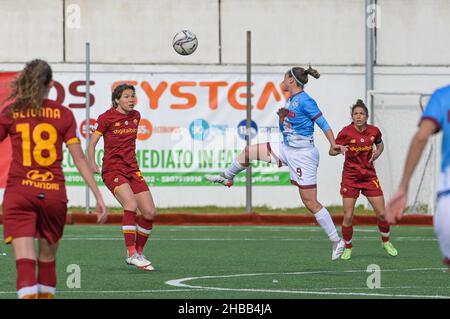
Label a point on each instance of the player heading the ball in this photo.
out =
(297, 151)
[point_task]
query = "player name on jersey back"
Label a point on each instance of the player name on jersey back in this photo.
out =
(37, 135)
(45, 112)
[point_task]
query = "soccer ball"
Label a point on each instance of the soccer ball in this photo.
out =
(185, 42)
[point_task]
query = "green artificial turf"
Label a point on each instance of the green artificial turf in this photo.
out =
(260, 262)
(359, 210)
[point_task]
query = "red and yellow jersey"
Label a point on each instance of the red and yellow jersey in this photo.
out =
(36, 140)
(360, 148)
(119, 132)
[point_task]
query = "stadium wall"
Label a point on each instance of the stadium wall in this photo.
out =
(134, 37)
(326, 32)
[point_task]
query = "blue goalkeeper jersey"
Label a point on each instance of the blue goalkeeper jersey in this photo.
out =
(298, 125)
(438, 111)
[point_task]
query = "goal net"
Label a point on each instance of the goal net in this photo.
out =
(397, 114)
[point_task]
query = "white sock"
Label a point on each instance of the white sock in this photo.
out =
(234, 169)
(324, 219)
(441, 223)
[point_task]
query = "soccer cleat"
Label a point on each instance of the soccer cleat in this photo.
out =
(347, 254)
(149, 267)
(45, 295)
(390, 249)
(30, 296)
(221, 179)
(138, 261)
(338, 249)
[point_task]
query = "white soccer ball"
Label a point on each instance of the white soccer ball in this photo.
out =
(185, 42)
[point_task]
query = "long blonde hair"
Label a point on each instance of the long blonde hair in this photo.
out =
(29, 89)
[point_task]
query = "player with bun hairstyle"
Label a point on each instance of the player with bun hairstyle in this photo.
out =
(35, 199)
(359, 175)
(297, 151)
(120, 171)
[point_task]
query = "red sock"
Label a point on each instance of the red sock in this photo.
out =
(384, 230)
(46, 279)
(129, 230)
(446, 261)
(26, 283)
(347, 234)
(143, 231)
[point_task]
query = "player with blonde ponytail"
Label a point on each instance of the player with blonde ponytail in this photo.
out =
(297, 151)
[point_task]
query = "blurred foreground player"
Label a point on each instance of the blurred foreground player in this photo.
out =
(35, 200)
(436, 117)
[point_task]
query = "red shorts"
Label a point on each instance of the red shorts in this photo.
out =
(369, 188)
(136, 181)
(29, 216)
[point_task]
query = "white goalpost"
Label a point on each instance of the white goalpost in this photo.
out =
(397, 114)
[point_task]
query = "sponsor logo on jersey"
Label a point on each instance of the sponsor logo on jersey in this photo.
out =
(35, 175)
(40, 180)
(121, 131)
(361, 148)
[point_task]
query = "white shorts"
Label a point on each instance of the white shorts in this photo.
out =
(441, 222)
(302, 163)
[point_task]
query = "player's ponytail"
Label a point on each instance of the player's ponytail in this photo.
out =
(313, 72)
(300, 74)
(31, 87)
(360, 103)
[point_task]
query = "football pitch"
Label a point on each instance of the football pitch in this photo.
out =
(257, 262)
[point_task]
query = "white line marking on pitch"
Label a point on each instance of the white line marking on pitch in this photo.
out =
(108, 291)
(381, 288)
(246, 239)
(179, 283)
(238, 229)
